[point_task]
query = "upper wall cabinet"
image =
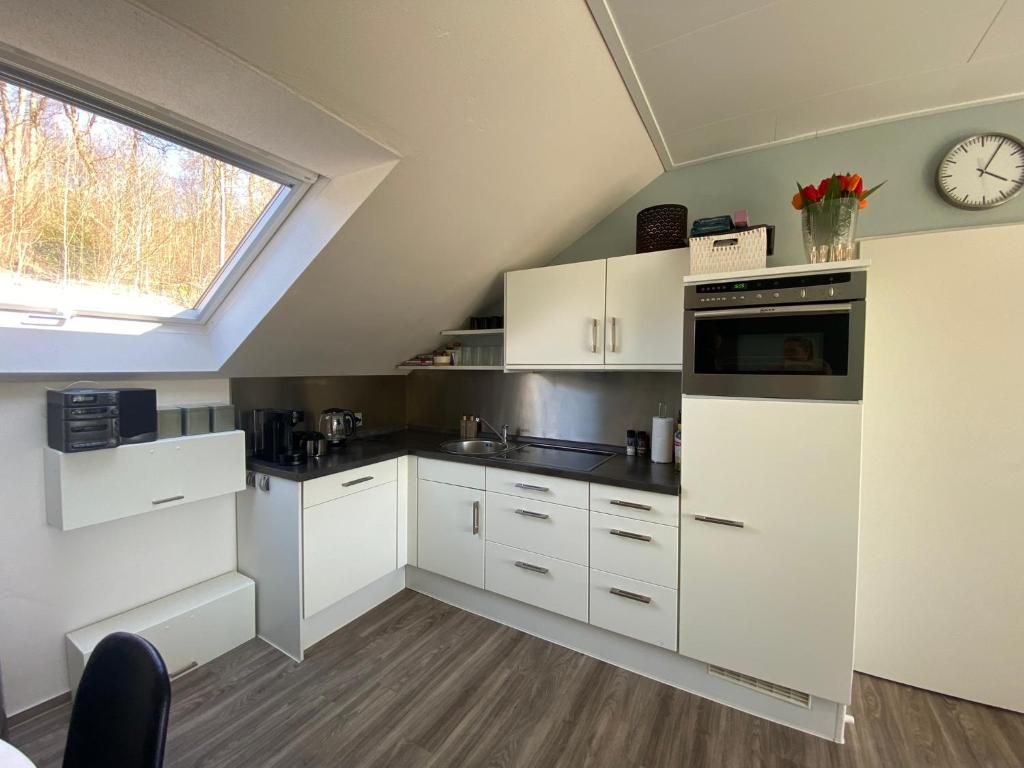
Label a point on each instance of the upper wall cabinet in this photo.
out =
(623, 313)
(644, 310)
(554, 316)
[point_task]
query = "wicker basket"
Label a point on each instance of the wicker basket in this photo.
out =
(660, 228)
(732, 252)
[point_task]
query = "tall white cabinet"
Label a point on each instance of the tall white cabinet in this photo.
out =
(623, 313)
(769, 559)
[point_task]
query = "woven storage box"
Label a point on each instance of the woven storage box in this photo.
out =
(731, 252)
(661, 228)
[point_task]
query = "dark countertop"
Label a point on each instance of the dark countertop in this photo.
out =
(620, 470)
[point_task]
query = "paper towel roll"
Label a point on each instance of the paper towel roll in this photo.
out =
(663, 431)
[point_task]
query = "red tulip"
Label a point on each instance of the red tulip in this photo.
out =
(859, 189)
(823, 187)
(811, 194)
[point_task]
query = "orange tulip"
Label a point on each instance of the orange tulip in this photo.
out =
(852, 182)
(863, 203)
(798, 201)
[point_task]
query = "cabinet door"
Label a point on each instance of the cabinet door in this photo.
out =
(775, 597)
(554, 316)
(348, 543)
(451, 531)
(644, 310)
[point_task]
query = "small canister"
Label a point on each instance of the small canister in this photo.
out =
(195, 419)
(168, 422)
(222, 417)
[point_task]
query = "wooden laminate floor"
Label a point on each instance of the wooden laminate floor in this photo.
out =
(416, 682)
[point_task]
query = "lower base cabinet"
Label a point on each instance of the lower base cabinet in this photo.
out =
(546, 582)
(634, 608)
(451, 531)
(348, 543)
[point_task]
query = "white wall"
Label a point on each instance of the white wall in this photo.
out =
(940, 601)
(53, 581)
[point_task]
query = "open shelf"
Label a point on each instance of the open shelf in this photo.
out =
(450, 367)
(474, 332)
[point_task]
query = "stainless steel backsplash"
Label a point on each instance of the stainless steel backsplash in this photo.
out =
(380, 398)
(589, 407)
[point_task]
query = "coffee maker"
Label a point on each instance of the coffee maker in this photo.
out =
(273, 436)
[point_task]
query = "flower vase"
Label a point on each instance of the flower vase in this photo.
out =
(829, 228)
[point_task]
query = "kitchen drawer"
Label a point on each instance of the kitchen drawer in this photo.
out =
(636, 549)
(640, 505)
(539, 526)
(559, 490)
(451, 472)
(340, 484)
(545, 582)
(646, 612)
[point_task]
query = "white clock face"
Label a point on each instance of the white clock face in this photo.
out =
(982, 171)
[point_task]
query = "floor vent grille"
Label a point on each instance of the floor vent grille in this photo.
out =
(793, 696)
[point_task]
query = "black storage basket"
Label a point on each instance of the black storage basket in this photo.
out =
(661, 227)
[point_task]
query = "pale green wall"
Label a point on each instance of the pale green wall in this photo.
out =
(905, 152)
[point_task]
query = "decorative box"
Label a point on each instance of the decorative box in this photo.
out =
(168, 422)
(195, 419)
(731, 252)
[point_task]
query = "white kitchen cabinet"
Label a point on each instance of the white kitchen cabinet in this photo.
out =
(769, 554)
(310, 562)
(546, 582)
(637, 609)
(616, 314)
(98, 486)
(450, 530)
(554, 316)
(644, 310)
(348, 543)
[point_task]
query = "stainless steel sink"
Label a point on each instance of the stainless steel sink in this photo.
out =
(478, 447)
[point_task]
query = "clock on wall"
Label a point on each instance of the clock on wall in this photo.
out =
(982, 171)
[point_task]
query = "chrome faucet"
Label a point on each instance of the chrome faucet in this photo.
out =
(503, 432)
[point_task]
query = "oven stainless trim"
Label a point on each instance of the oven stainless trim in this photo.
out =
(797, 309)
(797, 387)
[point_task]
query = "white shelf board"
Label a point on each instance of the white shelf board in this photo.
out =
(792, 269)
(450, 367)
(474, 332)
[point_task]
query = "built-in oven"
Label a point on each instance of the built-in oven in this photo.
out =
(798, 337)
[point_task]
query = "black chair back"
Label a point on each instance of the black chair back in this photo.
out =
(119, 718)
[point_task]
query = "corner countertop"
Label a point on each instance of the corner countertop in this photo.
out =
(620, 470)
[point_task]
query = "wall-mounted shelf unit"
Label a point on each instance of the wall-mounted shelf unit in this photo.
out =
(450, 367)
(474, 332)
(98, 486)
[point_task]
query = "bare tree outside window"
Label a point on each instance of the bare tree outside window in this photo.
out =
(97, 215)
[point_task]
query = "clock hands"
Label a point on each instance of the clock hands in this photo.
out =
(996, 175)
(983, 171)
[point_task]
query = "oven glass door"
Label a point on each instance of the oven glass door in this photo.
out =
(799, 352)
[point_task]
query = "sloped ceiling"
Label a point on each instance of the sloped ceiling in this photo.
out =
(516, 135)
(715, 76)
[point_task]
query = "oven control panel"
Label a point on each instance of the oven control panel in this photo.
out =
(798, 289)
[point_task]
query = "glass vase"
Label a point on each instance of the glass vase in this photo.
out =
(829, 229)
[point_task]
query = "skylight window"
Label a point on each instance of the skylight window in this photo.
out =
(118, 217)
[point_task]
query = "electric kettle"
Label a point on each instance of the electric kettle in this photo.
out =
(337, 424)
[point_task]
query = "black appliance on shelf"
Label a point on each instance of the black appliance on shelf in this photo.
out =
(89, 419)
(274, 437)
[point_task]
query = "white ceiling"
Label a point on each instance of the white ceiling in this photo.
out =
(516, 135)
(716, 76)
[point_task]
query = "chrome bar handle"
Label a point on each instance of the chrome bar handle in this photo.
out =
(718, 521)
(530, 567)
(630, 505)
(168, 499)
(613, 349)
(528, 513)
(798, 309)
(476, 517)
(357, 481)
(593, 336)
(630, 595)
(629, 535)
(528, 487)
